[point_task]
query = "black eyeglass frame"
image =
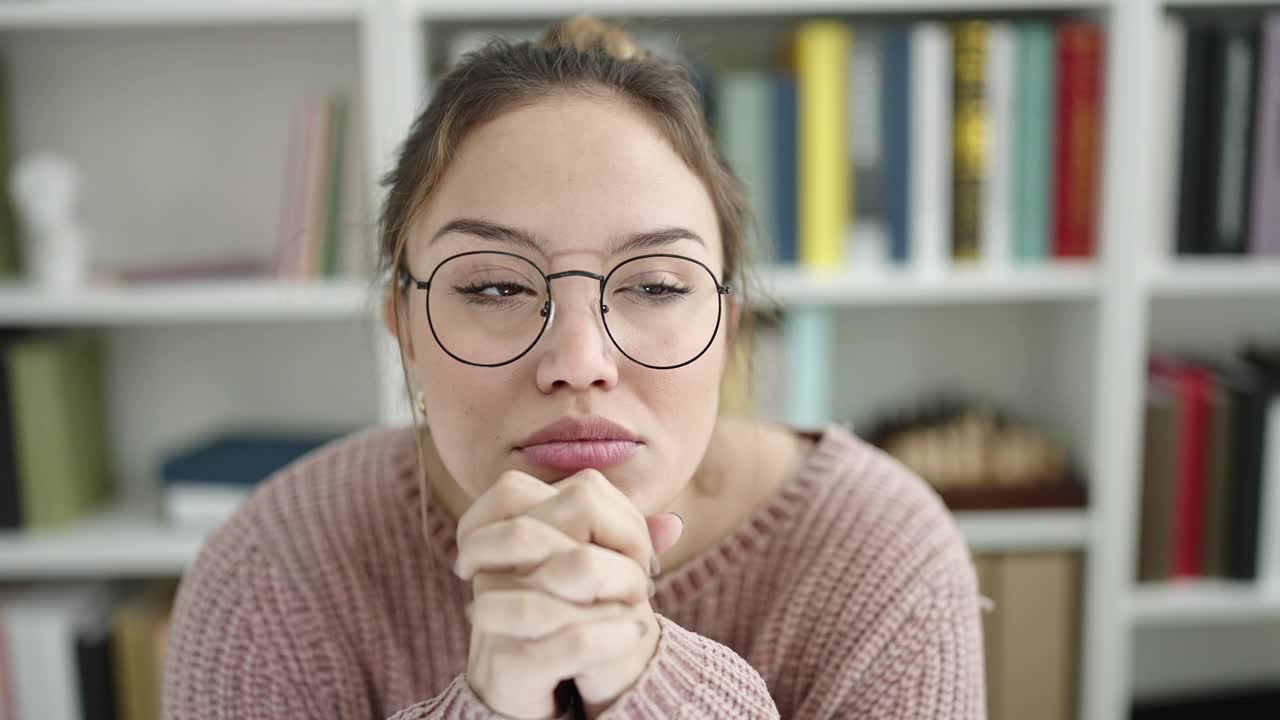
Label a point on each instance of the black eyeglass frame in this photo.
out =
(545, 312)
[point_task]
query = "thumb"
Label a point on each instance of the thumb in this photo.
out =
(664, 530)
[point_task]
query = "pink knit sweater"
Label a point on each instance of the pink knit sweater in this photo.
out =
(850, 594)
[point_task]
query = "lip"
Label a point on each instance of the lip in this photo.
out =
(572, 443)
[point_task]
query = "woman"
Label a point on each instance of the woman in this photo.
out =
(570, 528)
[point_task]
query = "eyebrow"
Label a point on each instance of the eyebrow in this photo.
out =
(643, 240)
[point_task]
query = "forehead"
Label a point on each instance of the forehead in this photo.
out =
(578, 173)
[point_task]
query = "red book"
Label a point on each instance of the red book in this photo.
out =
(1192, 385)
(1077, 138)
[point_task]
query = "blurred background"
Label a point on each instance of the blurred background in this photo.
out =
(1030, 248)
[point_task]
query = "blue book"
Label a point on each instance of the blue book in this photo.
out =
(239, 458)
(784, 107)
(895, 126)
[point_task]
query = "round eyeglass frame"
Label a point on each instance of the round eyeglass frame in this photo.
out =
(547, 307)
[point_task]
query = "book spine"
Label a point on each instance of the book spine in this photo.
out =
(786, 162)
(930, 145)
(1033, 152)
(821, 51)
(1079, 55)
(744, 128)
(290, 196)
(1188, 530)
(340, 112)
(895, 123)
(1264, 231)
(1238, 60)
(1172, 81)
(969, 133)
(996, 229)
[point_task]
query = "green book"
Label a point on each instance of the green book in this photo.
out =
(744, 126)
(55, 380)
(1032, 151)
(339, 109)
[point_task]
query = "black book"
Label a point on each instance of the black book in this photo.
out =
(95, 667)
(1194, 186)
(10, 499)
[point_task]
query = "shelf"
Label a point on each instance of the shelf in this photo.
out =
(1222, 277)
(481, 9)
(188, 303)
(1024, 530)
(121, 541)
(1204, 601)
(107, 13)
(1067, 282)
(129, 541)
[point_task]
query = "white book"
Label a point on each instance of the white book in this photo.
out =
(930, 147)
(1168, 135)
(996, 231)
(201, 507)
(40, 627)
(1269, 502)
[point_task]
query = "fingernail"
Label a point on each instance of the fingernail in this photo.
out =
(653, 589)
(655, 565)
(681, 518)
(644, 627)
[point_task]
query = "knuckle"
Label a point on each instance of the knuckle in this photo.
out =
(577, 641)
(520, 530)
(509, 482)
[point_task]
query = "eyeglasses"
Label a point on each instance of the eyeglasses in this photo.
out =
(489, 308)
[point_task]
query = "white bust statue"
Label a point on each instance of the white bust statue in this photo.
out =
(45, 187)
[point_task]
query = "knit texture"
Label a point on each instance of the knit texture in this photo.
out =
(848, 594)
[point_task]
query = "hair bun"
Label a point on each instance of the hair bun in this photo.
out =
(585, 32)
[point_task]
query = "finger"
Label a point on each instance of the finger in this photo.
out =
(665, 529)
(533, 614)
(592, 574)
(589, 509)
(571, 651)
(518, 544)
(513, 494)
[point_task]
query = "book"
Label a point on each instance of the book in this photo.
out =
(1229, 230)
(10, 485)
(821, 49)
(995, 234)
(895, 127)
(1269, 498)
(1172, 69)
(205, 481)
(866, 244)
(1077, 138)
(41, 624)
(1032, 154)
(745, 131)
(1197, 171)
(968, 136)
(340, 109)
(11, 261)
(136, 659)
(786, 163)
(1264, 225)
(1160, 433)
(1030, 636)
(931, 82)
(1218, 479)
(60, 430)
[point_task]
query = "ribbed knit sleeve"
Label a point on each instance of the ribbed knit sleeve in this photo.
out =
(689, 676)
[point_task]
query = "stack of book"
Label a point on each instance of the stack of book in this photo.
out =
(921, 145)
(82, 651)
(205, 481)
(55, 461)
(1211, 468)
(1228, 180)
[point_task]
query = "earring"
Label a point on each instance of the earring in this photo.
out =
(422, 403)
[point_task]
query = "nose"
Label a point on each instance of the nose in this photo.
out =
(575, 350)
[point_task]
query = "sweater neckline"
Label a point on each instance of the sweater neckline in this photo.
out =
(687, 581)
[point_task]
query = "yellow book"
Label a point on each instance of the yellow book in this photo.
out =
(969, 151)
(825, 186)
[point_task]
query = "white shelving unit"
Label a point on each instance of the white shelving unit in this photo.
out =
(1064, 344)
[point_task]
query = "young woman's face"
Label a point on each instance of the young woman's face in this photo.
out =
(574, 176)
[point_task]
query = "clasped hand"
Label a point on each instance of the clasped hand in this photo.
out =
(561, 580)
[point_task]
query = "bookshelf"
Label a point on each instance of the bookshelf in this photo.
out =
(1075, 335)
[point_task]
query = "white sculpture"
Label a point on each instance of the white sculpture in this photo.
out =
(44, 187)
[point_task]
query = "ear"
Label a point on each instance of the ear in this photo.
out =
(389, 319)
